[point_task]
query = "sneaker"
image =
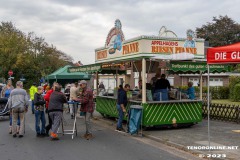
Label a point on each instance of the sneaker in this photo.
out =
(44, 135)
(20, 136)
(38, 135)
(120, 130)
(54, 138)
(14, 136)
(85, 136)
(89, 136)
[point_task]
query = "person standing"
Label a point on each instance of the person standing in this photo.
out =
(73, 95)
(32, 92)
(87, 107)
(5, 93)
(161, 89)
(67, 94)
(121, 105)
(39, 112)
(55, 109)
(18, 102)
(47, 99)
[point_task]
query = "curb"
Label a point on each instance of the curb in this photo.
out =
(109, 123)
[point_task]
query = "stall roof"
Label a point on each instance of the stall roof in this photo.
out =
(62, 73)
(224, 54)
(176, 67)
(93, 68)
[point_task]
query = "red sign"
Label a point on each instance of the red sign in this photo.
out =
(224, 54)
(10, 72)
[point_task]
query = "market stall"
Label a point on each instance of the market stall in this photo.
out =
(140, 52)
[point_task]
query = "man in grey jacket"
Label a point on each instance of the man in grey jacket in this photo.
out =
(18, 103)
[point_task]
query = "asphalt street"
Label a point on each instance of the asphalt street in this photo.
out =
(107, 145)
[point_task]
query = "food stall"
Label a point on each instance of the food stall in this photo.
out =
(145, 53)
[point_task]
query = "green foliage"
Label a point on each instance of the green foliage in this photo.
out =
(233, 80)
(27, 55)
(219, 92)
(222, 31)
(236, 92)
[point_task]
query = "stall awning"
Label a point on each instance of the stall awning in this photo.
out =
(62, 73)
(93, 68)
(196, 67)
(224, 54)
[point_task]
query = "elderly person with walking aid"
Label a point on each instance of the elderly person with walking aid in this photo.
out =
(18, 103)
(55, 109)
(86, 100)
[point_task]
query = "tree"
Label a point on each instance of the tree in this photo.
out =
(28, 55)
(222, 31)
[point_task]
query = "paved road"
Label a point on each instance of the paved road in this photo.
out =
(106, 145)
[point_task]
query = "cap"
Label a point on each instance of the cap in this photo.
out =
(83, 82)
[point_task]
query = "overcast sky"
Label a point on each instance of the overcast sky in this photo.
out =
(78, 27)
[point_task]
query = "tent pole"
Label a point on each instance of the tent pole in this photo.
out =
(201, 85)
(97, 82)
(144, 98)
(208, 108)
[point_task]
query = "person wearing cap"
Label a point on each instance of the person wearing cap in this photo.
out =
(32, 92)
(86, 100)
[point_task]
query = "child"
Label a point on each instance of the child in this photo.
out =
(39, 112)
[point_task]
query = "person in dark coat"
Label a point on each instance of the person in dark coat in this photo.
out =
(55, 109)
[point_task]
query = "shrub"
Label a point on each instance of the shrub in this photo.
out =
(236, 91)
(233, 80)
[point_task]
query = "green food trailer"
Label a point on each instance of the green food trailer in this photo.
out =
(145, 54)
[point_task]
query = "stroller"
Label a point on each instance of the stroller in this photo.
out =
(4, 110)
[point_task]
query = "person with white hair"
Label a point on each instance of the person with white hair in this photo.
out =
(18, 103)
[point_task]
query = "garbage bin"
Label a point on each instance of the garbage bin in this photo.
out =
(135, 119)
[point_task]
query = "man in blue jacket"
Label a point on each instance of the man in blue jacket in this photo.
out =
(121, 105)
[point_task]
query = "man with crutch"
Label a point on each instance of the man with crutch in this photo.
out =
(18, 103)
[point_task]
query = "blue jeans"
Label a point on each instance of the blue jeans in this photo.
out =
(18, 120)
(161, 95)
(120, 116)
(32, 107)
(40, 115)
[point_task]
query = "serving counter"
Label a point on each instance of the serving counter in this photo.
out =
(156, 112)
